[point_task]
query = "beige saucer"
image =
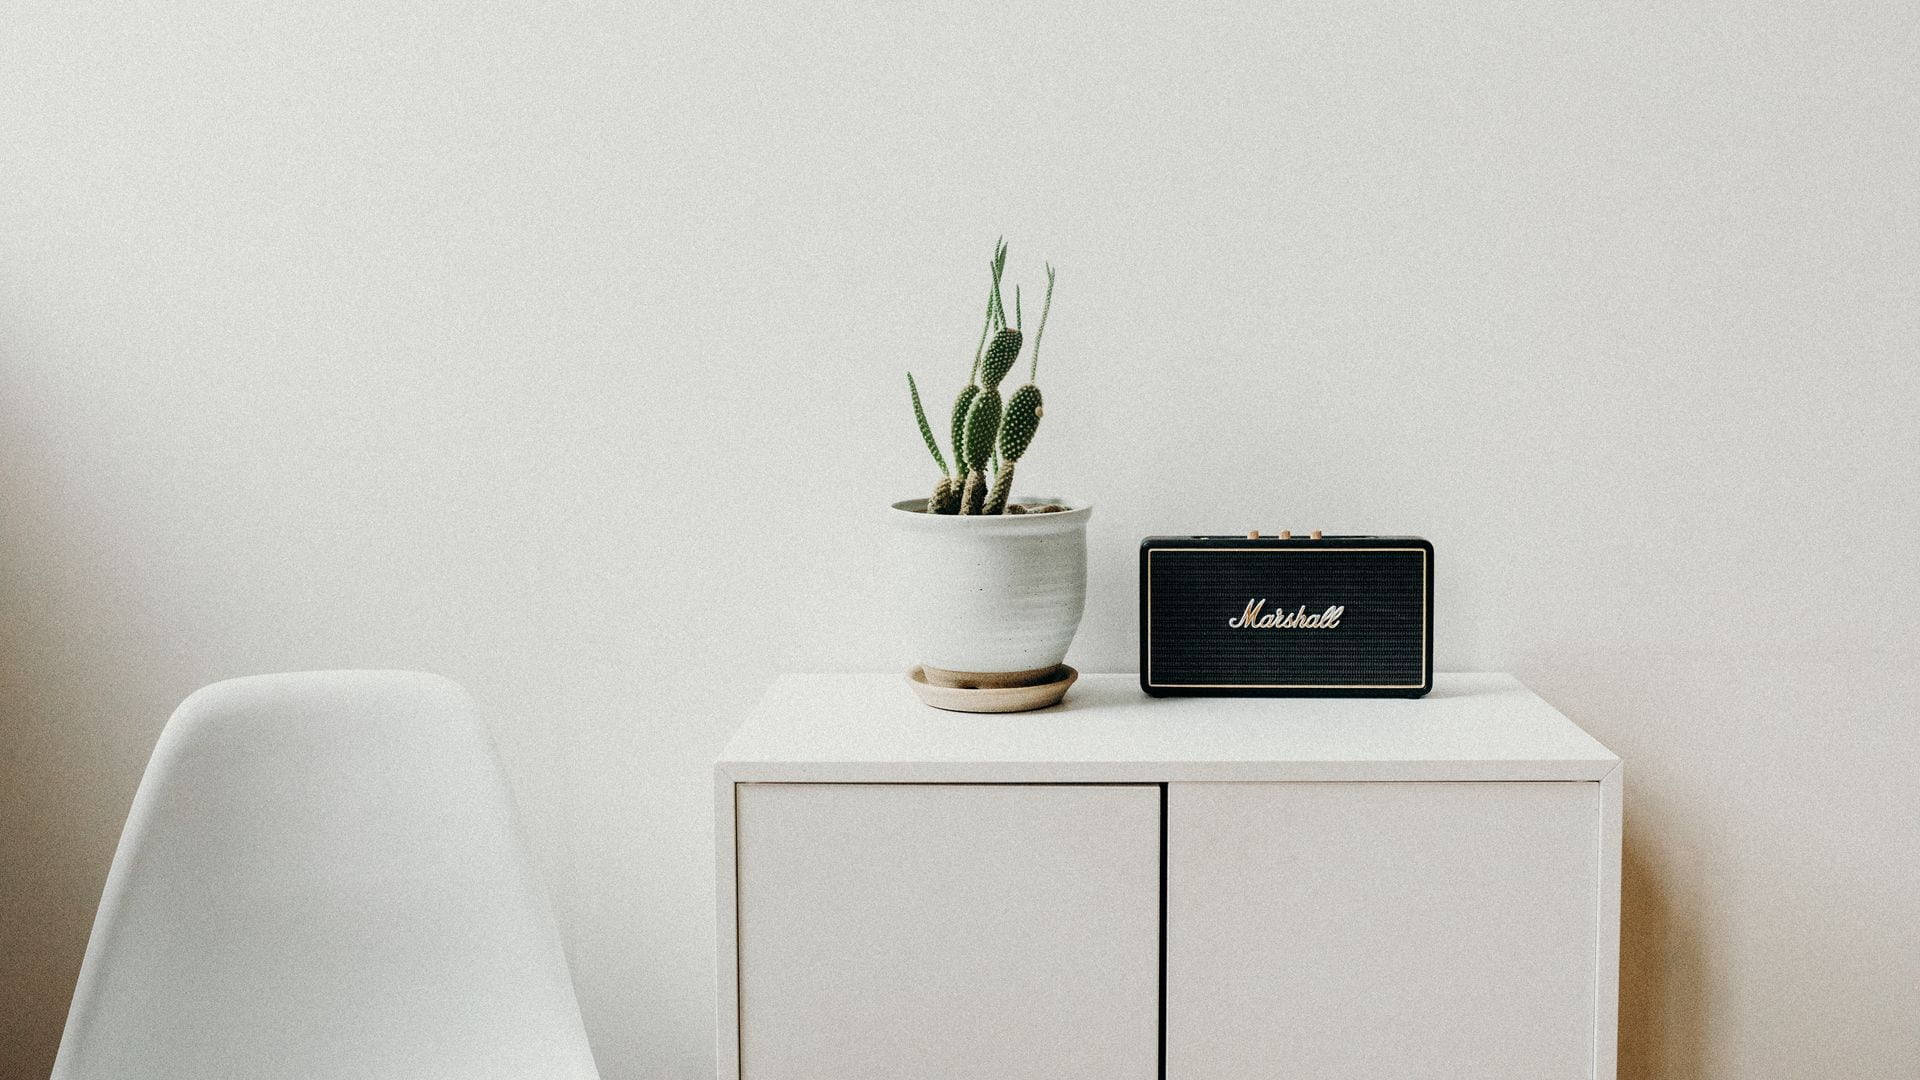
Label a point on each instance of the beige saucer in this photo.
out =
(993, 699)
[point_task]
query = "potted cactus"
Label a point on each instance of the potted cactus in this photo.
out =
(998, 581)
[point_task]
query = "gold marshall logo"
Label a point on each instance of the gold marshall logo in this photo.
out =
(1251, 619)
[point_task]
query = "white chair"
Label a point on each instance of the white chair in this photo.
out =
(322, 877)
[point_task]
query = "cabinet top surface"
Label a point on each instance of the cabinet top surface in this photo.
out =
(872, 728)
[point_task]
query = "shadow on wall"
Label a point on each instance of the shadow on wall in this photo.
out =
(1662, 1006)
(53, 858)
(81, 702)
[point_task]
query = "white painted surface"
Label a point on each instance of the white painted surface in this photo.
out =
(870, 727)
(995, 593)
(322, 879)
(1356, 888)
(948, 932)
(559, 348)
(1383, 931)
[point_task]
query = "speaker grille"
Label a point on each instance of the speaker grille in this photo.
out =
(1193, 597)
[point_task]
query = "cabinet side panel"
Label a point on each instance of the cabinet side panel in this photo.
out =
(1606, 1045)
(948, 931)
(1372, 930)
(726, 940)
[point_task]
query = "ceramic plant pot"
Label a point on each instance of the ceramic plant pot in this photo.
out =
(991, 600)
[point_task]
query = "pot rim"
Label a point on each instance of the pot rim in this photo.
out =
(913, 512)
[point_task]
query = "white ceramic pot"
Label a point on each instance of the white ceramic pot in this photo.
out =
(991, 600)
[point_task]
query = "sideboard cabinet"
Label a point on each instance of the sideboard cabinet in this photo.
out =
(1125, 888)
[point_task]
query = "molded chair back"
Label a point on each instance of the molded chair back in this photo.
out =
(321, 877)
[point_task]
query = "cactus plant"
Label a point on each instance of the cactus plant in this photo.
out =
(989, 435)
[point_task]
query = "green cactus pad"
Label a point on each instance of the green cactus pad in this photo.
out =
(1001, 354)
(926, 430)
(1022, 420)
(960, 428)
(983, 427)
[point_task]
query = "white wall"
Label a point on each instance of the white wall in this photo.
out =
(559, 349)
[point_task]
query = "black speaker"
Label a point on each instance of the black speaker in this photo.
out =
(1286, 616)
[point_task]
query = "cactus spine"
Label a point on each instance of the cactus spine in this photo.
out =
(988, 435)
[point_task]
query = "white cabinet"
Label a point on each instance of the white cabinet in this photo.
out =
(1128, 887)
(1347, 930)
(948, 931)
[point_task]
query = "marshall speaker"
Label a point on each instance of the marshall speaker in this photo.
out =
(1286, 616)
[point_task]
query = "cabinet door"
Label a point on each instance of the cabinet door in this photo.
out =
(1382, 930)
(933, 931)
